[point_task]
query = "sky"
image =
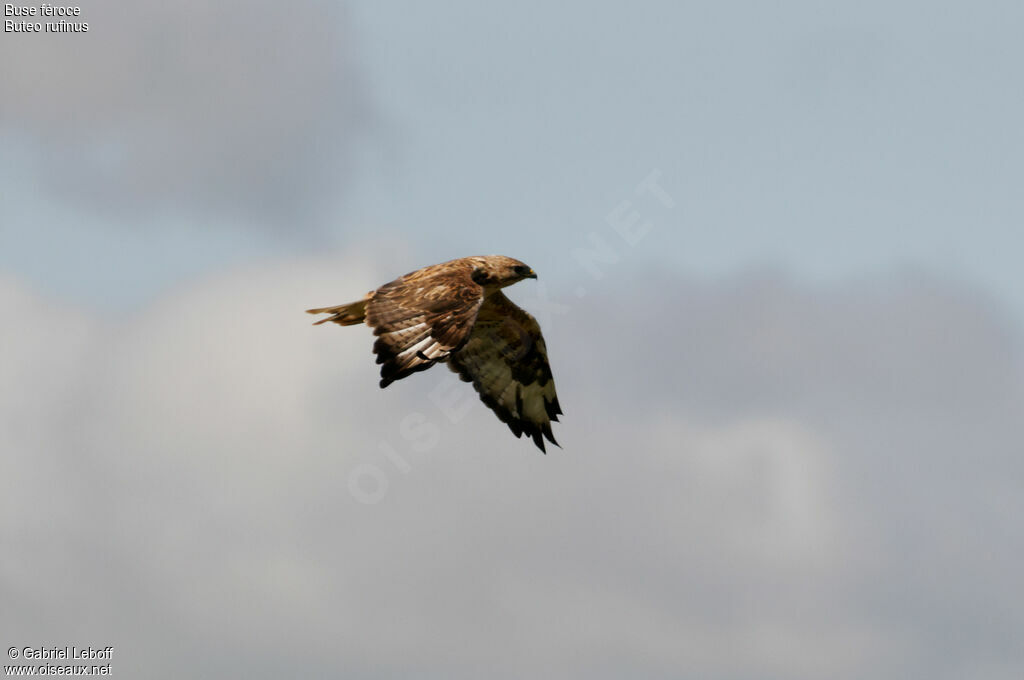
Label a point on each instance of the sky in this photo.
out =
(778, 281)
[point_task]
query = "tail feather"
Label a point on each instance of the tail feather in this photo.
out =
(346, 315)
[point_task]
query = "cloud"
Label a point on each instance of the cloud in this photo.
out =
(772, 481)
(246, 112)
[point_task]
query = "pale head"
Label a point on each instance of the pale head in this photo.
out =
(498, 271)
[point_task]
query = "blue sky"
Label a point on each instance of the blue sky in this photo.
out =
(792, 374)
(829, 141)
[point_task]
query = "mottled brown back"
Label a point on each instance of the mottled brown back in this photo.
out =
(420, 318)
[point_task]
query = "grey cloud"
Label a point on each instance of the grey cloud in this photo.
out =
(757, 482)
(246, 112)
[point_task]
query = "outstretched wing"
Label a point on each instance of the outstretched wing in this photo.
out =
(507, 362)
(421, 318)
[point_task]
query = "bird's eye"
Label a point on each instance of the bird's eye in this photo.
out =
(521, 270)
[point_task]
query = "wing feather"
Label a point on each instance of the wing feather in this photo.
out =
(420, 318)
(506, 360)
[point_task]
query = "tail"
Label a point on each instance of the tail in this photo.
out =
(345, 315)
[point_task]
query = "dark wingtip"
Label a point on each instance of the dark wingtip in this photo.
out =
(539, 441)
(550, 435)
(553, 408)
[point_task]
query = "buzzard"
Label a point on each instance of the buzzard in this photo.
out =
(455, 312)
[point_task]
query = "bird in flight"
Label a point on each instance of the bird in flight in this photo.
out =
(455, 312)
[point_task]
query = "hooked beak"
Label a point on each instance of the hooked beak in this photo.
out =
(531, 275)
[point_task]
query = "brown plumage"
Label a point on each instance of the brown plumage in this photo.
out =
(455, 312)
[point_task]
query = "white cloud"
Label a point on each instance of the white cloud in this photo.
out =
(182, 476)
(233, 111)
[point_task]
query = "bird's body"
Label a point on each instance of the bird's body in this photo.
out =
(455, 312)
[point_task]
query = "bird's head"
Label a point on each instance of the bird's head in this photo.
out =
(498, 271)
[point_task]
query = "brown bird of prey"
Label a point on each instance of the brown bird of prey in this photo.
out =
(455, 312)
